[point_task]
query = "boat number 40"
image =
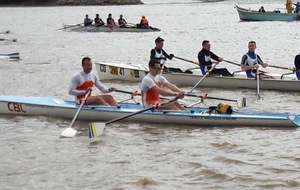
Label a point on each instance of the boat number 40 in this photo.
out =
(15, 107)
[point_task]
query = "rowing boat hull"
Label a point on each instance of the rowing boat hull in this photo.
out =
(81, 28)
(53, 107)
(128, 72)
(251, 15)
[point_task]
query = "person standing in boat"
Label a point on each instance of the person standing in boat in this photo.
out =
(262, 9)
(87, 21)
(297, 66)
(206, 58)
(110, 22)
(158, 53)
(154, 84)
(251, 61)
(98, 21)
(122, 22)
(297, 8)
(84, 81)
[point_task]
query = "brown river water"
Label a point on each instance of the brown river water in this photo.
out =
(144, 156)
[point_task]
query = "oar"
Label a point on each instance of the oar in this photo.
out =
(242, 102)
(5, 32)
(274, 66)
(206, 74)
(133, 93)
(186, 60)
(12, 55)
(96, 129)
(69, 26)
(10, 40)
(285, 68)
(257, 84)
(232, 63)
(70, 132)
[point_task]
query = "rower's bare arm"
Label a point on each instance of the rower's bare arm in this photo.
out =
(164, 92)
(172, 87)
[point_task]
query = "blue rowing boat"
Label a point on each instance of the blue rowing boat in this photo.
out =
(252, 15)
(59, 108)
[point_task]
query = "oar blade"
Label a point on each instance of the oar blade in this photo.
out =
(96, 129)
(68, 133)
(14, 56)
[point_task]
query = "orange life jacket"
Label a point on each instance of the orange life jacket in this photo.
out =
(85, 86)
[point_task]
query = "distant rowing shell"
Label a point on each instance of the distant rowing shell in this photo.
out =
(81, 28)
(11, 56)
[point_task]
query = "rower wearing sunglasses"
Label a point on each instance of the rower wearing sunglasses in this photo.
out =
(154, 84)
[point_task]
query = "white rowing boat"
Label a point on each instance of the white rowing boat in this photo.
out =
(54, 107)
(134, 73)
(81, 28)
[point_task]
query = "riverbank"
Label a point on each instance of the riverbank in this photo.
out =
(67, 2)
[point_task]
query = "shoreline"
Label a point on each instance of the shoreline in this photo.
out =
(53, 3)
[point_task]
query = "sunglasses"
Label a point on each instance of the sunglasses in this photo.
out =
(157, 68)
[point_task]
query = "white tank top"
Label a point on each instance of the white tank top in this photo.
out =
(250, 61)
(160, 55)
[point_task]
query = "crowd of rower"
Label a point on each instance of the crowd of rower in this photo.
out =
(155, 84)
(110, 22)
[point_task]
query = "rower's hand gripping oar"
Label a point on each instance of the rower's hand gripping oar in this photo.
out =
(70, 132)
(96, 129)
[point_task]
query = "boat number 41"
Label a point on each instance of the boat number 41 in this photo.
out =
(15, 107)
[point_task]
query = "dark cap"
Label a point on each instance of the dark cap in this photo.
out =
(159, 39)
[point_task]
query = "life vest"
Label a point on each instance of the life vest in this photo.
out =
(160, 56)
(84, 86)
(251, 62)
(224, 108)
(144, 21)
(221, 108)
(205, 68)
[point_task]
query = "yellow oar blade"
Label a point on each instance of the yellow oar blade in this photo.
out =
(95, 129)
